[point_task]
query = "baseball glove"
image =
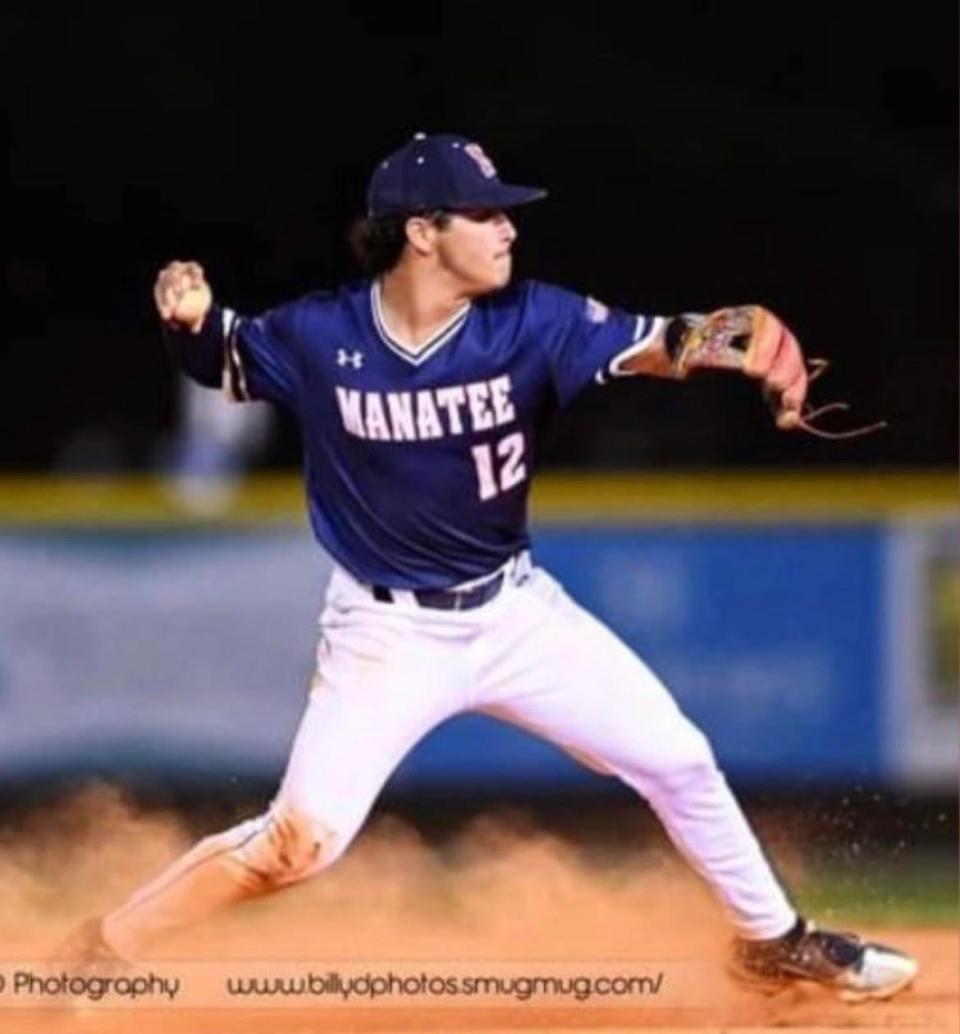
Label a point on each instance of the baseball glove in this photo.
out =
(753, 340)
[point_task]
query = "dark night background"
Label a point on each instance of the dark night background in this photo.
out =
(697, 154)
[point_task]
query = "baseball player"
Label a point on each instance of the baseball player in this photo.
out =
(420, 391)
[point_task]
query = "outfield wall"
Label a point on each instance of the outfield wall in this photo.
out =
(808, 625)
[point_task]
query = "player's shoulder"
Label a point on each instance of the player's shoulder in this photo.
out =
(525, 293)
(321, 300)
(322, 307)
(536, 299)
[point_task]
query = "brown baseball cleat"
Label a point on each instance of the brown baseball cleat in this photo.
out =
(857, 969)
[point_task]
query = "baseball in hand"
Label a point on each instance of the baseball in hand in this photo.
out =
(182, 295)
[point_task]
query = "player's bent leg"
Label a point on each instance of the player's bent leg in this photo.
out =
(255, 857)
(592, 696)
(381, 688)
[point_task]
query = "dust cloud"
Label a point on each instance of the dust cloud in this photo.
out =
(499, 889)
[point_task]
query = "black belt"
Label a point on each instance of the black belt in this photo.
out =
(448, 599)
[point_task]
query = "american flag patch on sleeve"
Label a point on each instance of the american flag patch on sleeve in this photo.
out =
(596, 311)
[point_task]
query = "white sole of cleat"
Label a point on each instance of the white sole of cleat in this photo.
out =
(900, 973)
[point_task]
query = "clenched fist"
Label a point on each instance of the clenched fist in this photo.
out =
(182, 295)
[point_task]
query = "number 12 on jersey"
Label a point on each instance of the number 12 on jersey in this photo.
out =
(507, 455)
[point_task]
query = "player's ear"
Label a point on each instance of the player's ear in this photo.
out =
(421, 234)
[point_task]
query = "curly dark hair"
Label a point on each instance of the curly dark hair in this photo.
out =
(377, 244)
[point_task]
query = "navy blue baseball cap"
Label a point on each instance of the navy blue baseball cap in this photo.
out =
(441, 171)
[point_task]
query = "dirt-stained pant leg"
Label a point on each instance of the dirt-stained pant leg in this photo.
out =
(379, 688)
(561, 673)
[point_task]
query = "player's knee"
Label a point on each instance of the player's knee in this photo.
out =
(691, 763)
(287, 845)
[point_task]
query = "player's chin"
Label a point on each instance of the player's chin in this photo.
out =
(488, 277)
(479, 286)
(501, 272)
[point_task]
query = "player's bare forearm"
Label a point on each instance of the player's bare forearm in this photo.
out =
(652, 361)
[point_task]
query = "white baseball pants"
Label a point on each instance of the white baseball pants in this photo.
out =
(389, 672)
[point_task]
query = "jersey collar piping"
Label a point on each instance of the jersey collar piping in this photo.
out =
(436, 341)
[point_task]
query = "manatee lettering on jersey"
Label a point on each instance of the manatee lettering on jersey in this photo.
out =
(419, 467)
(408, 416)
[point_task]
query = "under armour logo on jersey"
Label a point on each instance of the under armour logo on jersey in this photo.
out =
(345, 358)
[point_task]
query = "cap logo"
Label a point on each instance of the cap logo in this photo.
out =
(477, 153)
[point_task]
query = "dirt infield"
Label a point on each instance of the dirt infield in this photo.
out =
(931, 1006)
(500, 903)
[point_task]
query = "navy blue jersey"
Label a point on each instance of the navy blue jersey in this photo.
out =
(418, 465)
